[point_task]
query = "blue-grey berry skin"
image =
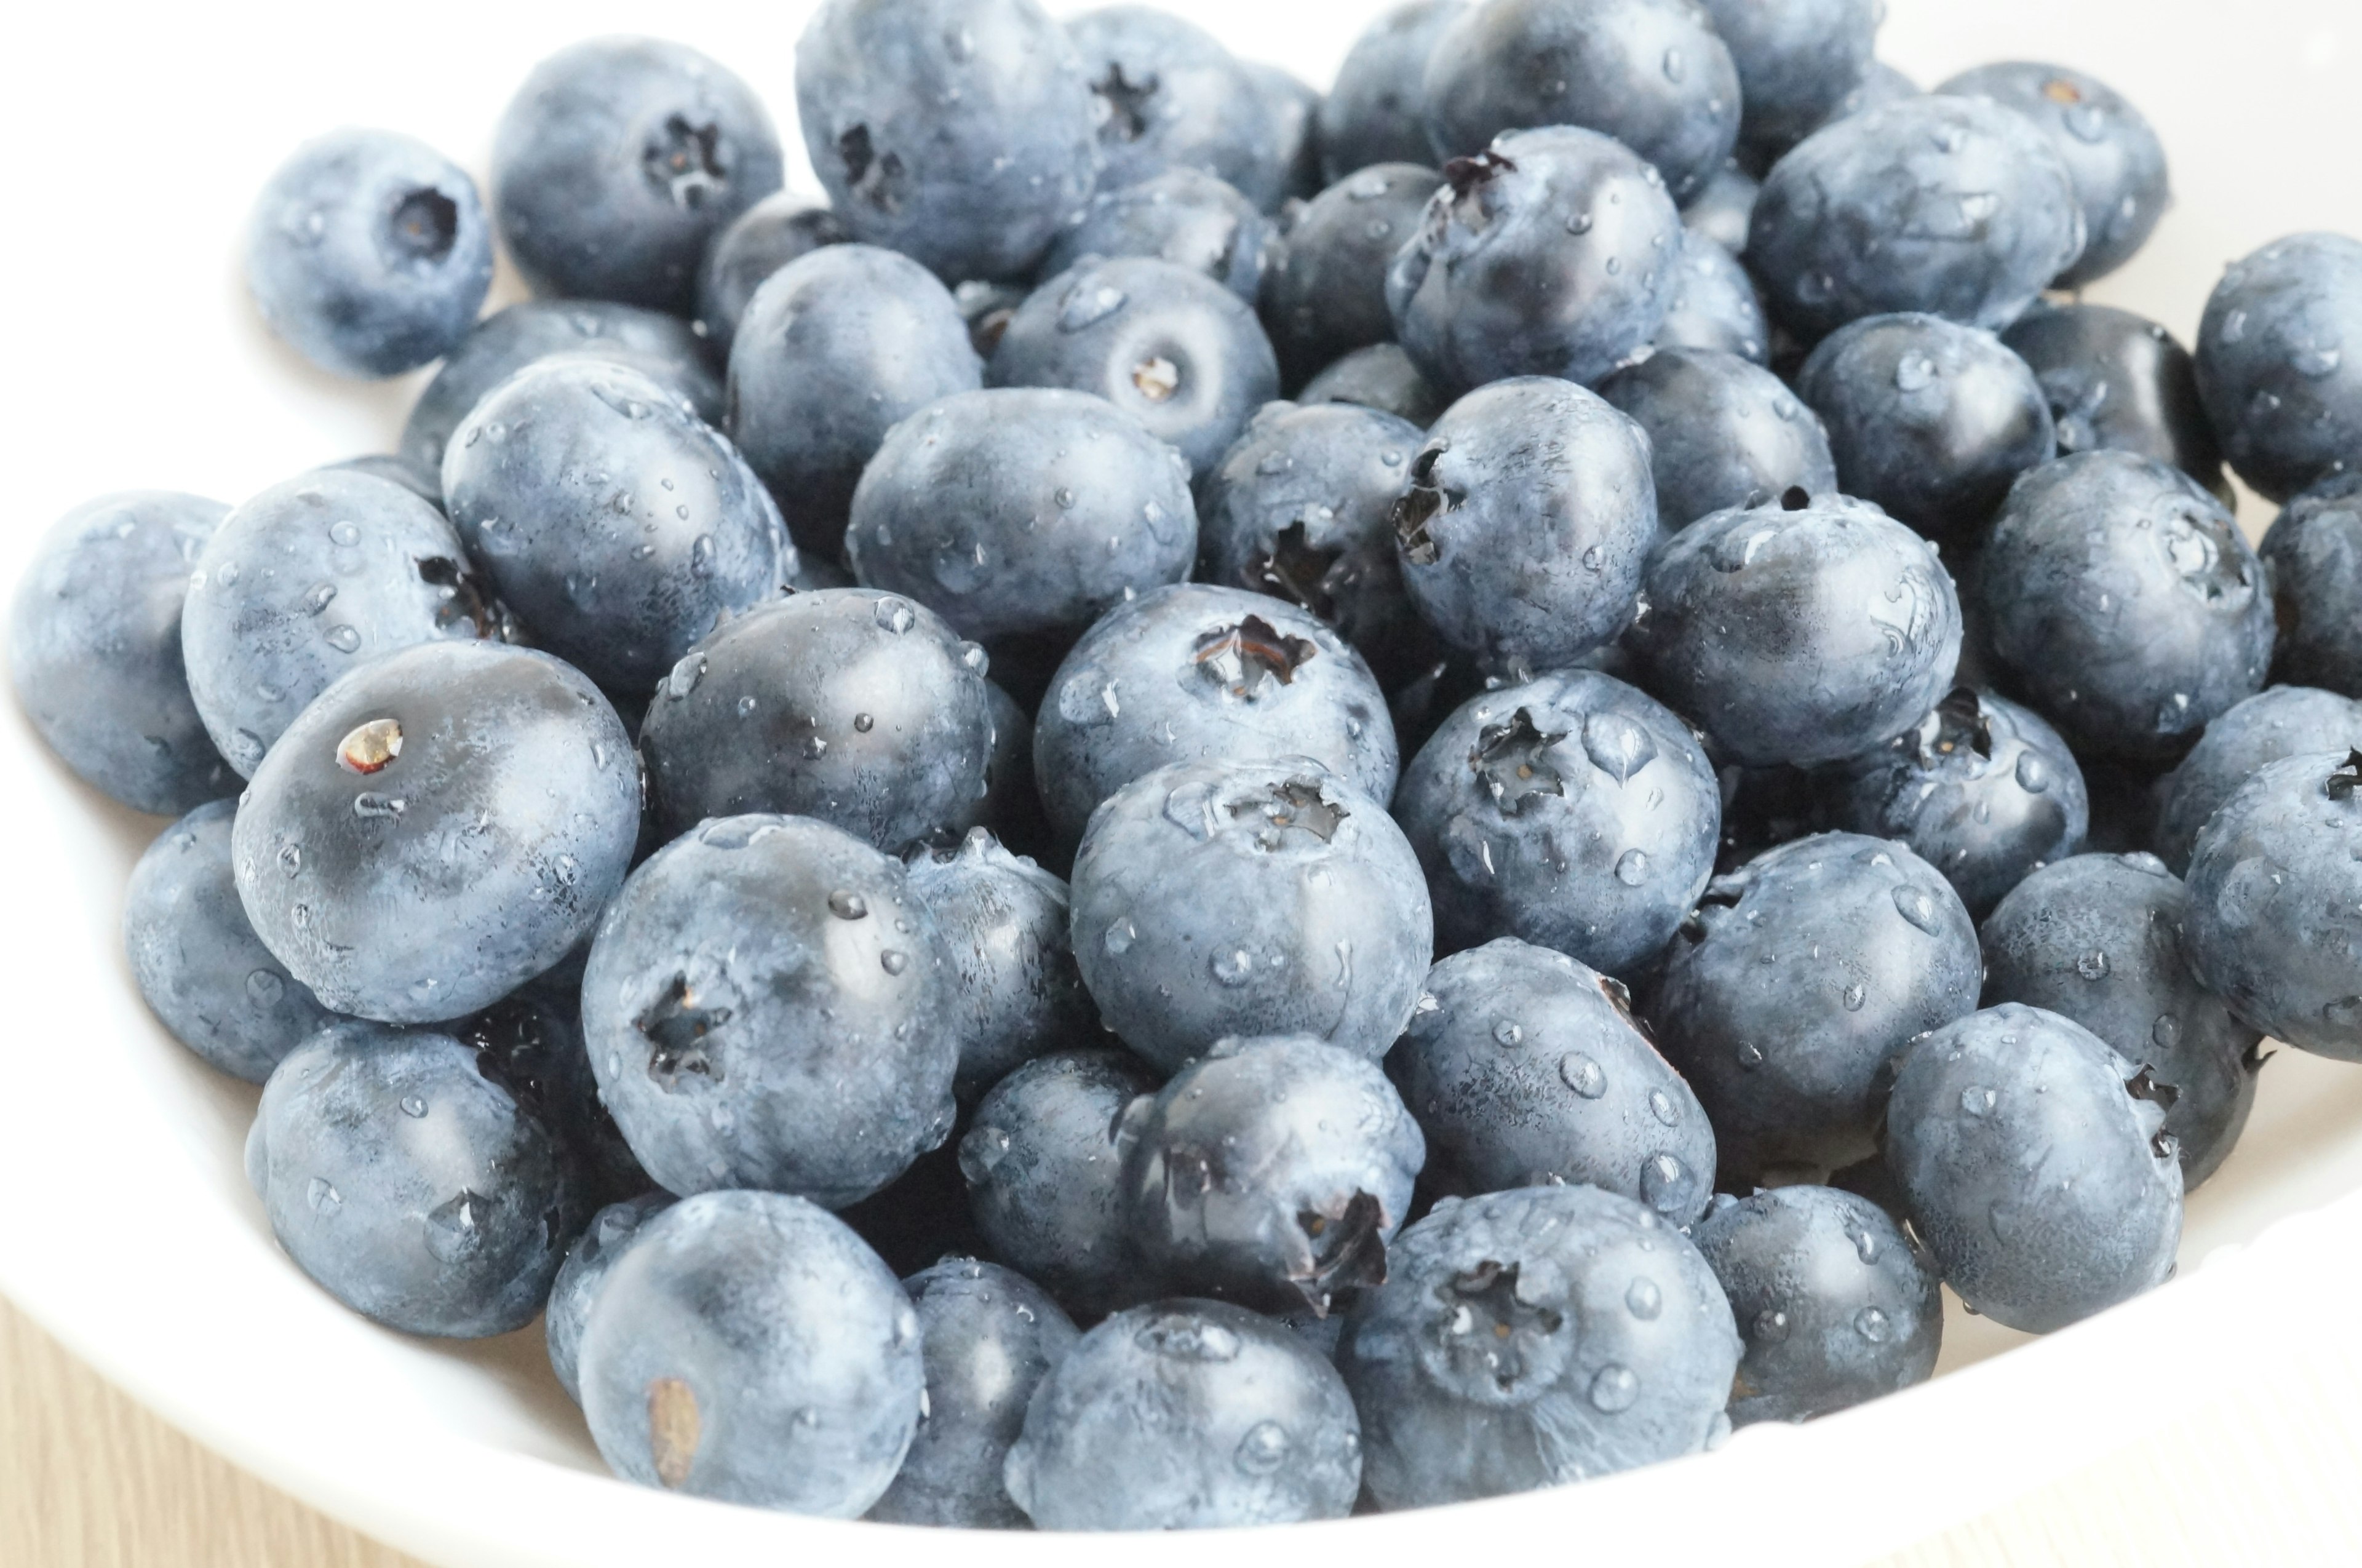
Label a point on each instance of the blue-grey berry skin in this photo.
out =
(1324, 294)
(1525, 1067)
(2116, 161)
(313, 578)
(835, 349)
(783, 226)
(1929, 419)
(2098, 939)
(616, 524)
(2124, 600)
(1527, 522)
(1534, 1337)
(438, 828)
(1800, 974)
(1376, 109)
(958, 133)
(1804, 630)
(750, 1348)
(1004, 925)
(990, 1336)
(1722, 433)
(1167, 345)
(1271, 1172)
(1213, 899)
(1721, 209)
(1187, 1415)
(2275, 364)
(1022, 512)
(1654, 74)
(1981, 789)
(594, 1255)
(617, 163)
(856, 707)
(2120, 382)
(1834, 1301)
(369, 253)
(1183, 216)
(2279, 722)
(204, 971)
(2030, 1156)
(2273, 925)
(1715, 303)
(409, 1185)
(1798, 60)
(1302, 509)
(1552, 254)
(1293, 108)
(768, 1004)
(1196, 673)
(1383, 377)
(1571, 811)
(1010, 806)
(1951, 207)
(1045, 1177)
(660, 345)
(1171, 96)
(408, 472)
(94, 649)
(2313, 554)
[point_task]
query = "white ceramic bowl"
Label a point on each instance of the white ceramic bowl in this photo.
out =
(140, 134)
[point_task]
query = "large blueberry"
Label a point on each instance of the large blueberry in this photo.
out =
(2118, 380)
(1377, 108)
(1293, 108)
(1798, 62)
(2280, 722)
(1325, 294)
(1722, 433)
(1715, 303)
(1171, 96)
(1183, 216)
(1382, 377)
(783, 226)
(595, 1254)
(2278, 365)
(2313, 554)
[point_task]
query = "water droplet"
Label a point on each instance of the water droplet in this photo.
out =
(1661, 1107)
(896, 616)
(1617, 745)
(1674, 69)
(2234, 326)
(1643, 1299)
(1977, 1101)
(2092, 966)
(1263, 1449)
(1615, 265)
(1583, 1074)
(325, 1198)
(1578, 223)
(893, 961)
(846, 904)
(413, 1107)
(980, 1151)
(291, 860)
(1087, 303)
(455, 1230)
(1632, 867)
(685, 675)
(1615, 1388)
(1664, 1185)
(344, 533)
(1508, 1033)
(1865, 1247)
(1750, 1055)
(1120, 937)
(701, 552)
(1914, 372)
(814, 747)
(2165, 1033)
(2315, 364)
(1852, 996)
(1770, 1326)
(319, 597)
(1234, 967)
(1871, 1324)
(863, 723)
(2033, 773)
(370, 803)
(1916, 906)
(2004, 1220)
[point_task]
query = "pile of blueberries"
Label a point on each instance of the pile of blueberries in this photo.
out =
(1656, 745)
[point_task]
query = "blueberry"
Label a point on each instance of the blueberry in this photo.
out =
(991, 1337)
(1803, 631)
(2272, 366)
(747, 1347)
(1382, 377)
(530, 1043)
(1525, 1067)
(856, 707)
(1722, 433)
(2031, 1157)
(612, 1231)
(1929, 419)
(367, 252)
(2116, 161)
(1721, 209)
(2313, 554)
(2126, 603)
(2120, 382)
(94, 649)
(197, 962)
(1376, 111)
(2284, 721)
(2097, 939)
(1302, 509)
(1198, 672)
(1022, 512)
(1003, 920)
(659, 346)
(1835, 1302)
(1293, 105)
(835, 349)
(1983, 789)
(782, 227)
(768, 1004)
(408, 472)
(1526, 524)
(438, 828)
(1654, 74)
(1797, 978)
(1551, 254)
(1171, 96)
(1169, 345)
(1183, 216)
(1532, 1338)
(1715, 304)
(959, 132)
(619, 161)
(616, 524)
(1045, 1177)
(314, 577)
(1324, 295)
(1010, 806)
(1953, 206)
(1187, 1415)
(411, 1186)
(1271, 1171)
(2272, 926)
(1213, 899)
(1798, 62)
(1570, 810)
